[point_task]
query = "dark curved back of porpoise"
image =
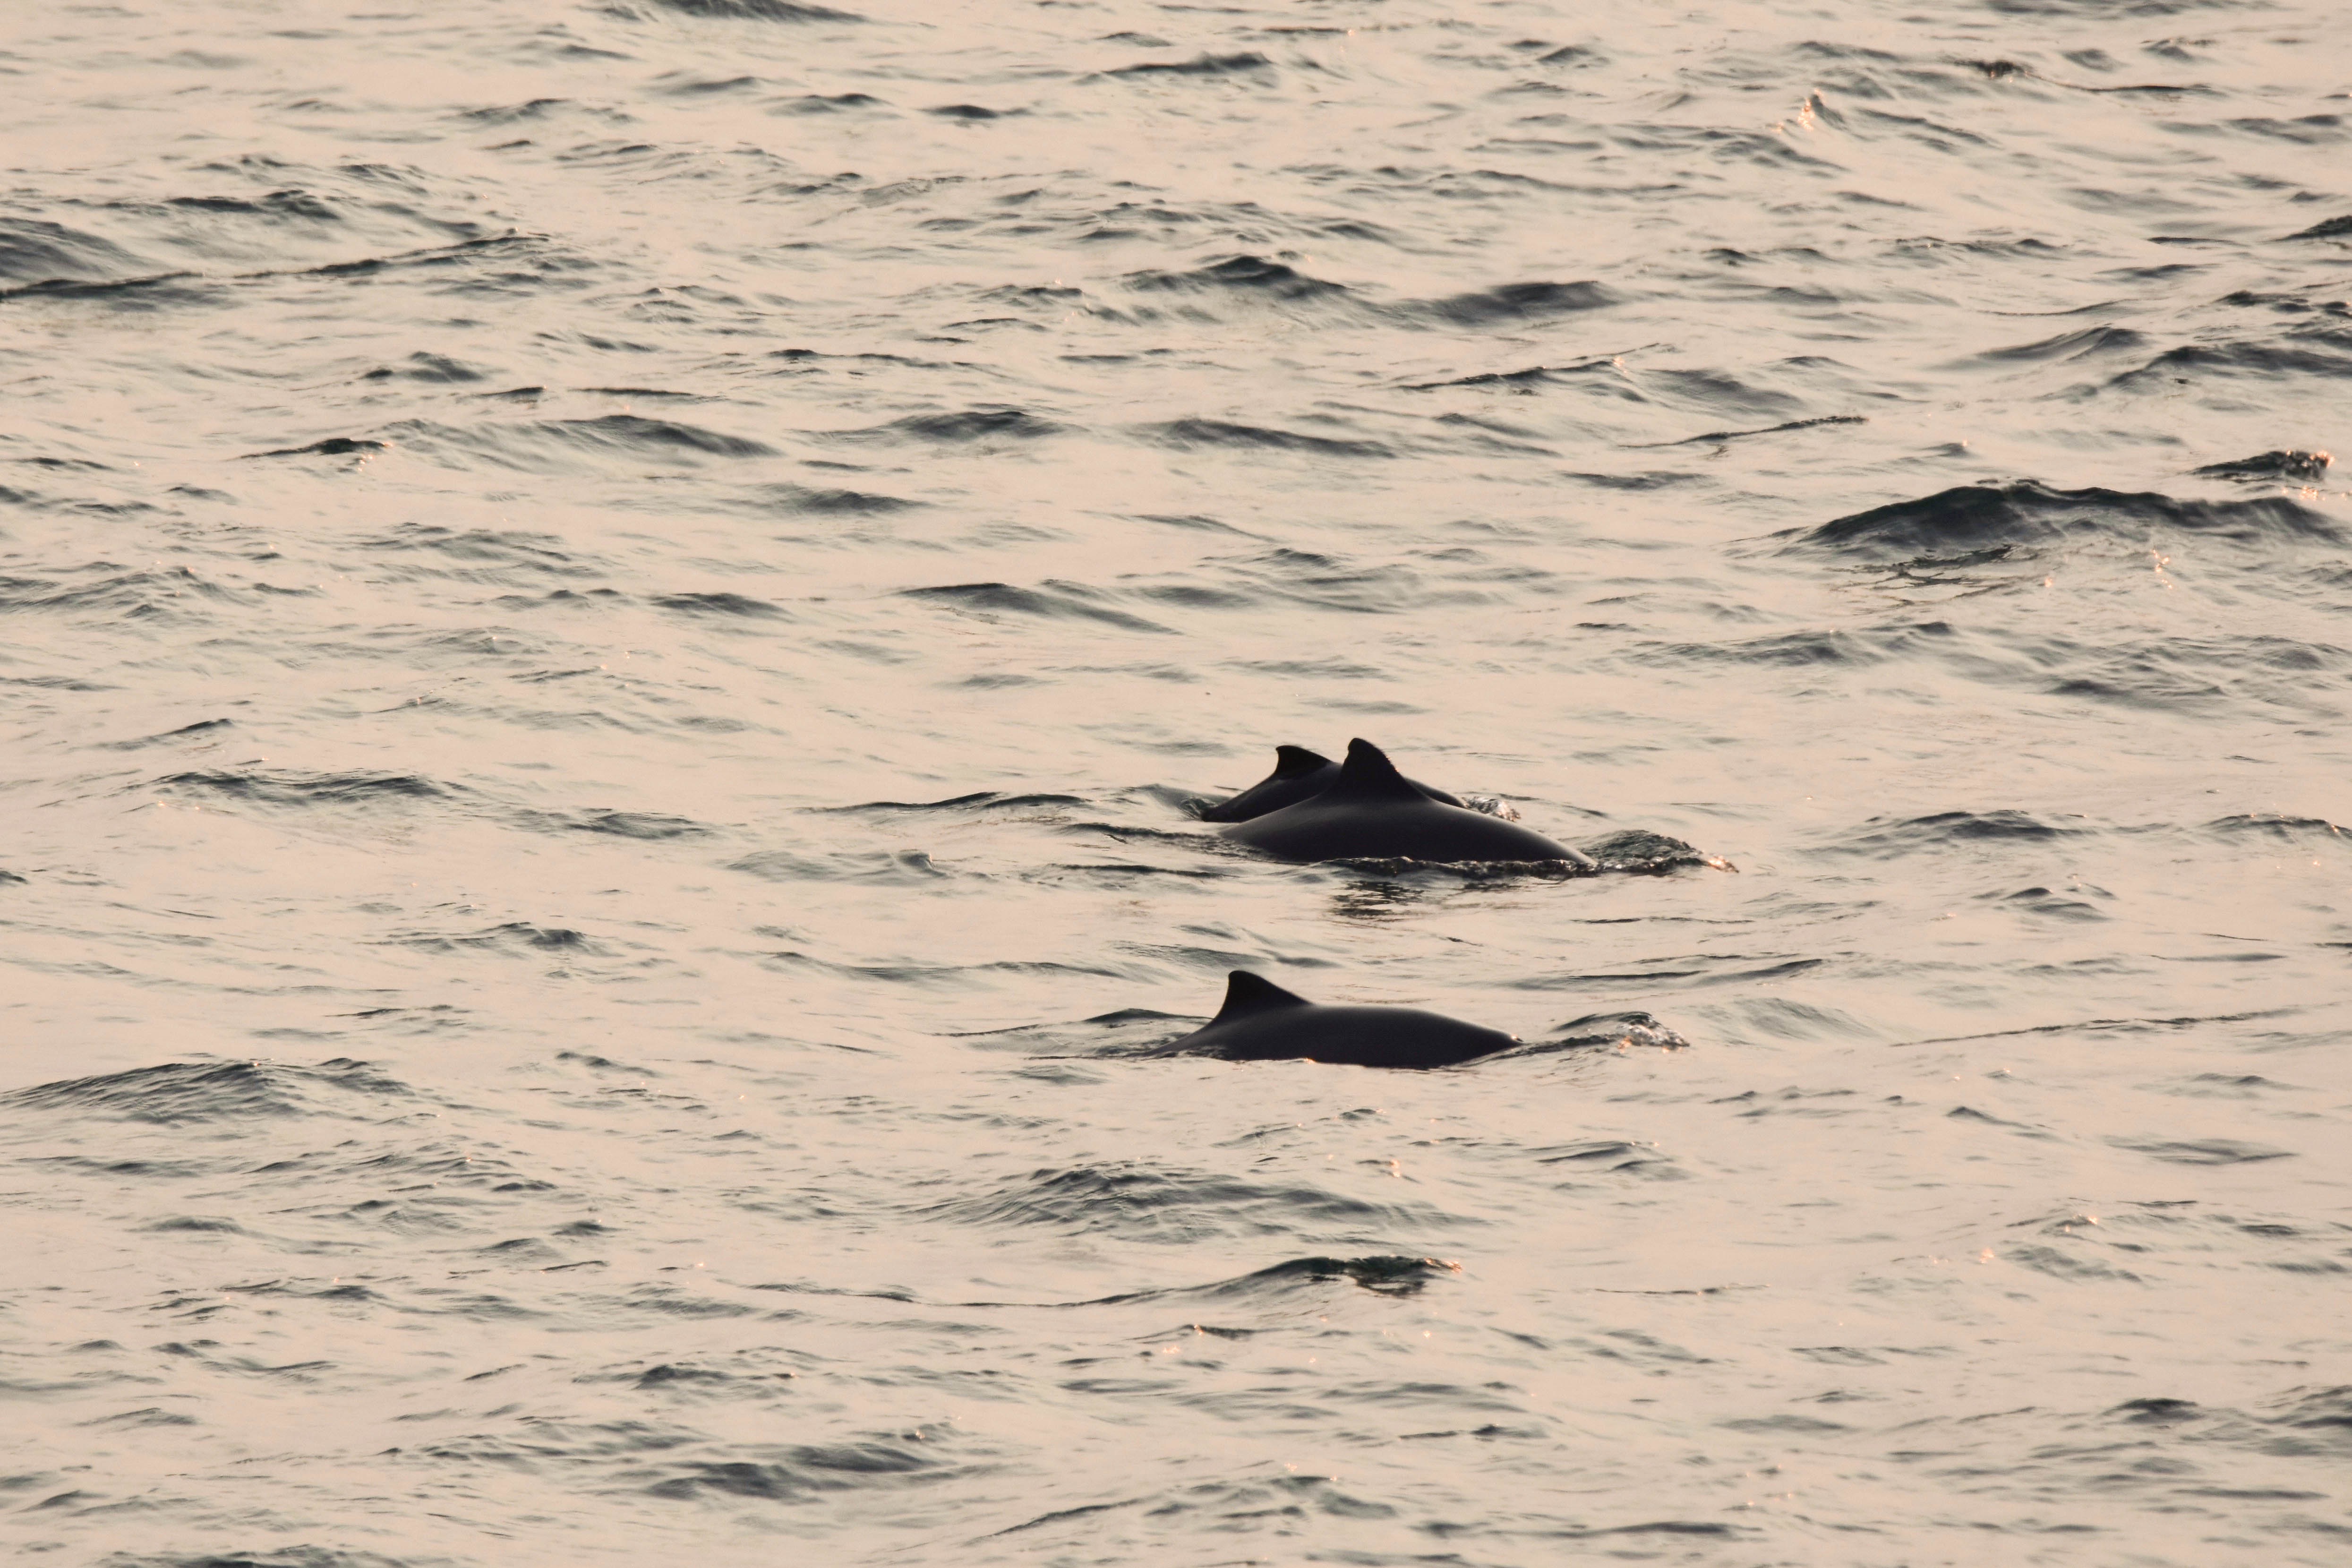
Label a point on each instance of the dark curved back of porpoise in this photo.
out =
(1372, 811)
(1299, 774)
(1261, 1022)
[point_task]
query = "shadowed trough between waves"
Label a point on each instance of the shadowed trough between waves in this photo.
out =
(614, 616)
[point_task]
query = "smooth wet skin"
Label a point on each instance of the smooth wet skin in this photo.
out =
(1299, 774)
(1261, 1022)
(1374, 813)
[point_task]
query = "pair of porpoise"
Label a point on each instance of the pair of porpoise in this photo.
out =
(1311, 808)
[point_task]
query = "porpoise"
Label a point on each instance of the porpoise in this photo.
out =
(1299, 774)
(1261, 1022)
(1372, 811)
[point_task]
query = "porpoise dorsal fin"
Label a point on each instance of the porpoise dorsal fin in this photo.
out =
(1296, 762)
(1368, 775)
(1246, 993)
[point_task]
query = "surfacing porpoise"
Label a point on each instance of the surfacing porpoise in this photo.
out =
(1261, 1022)
(1372, 811)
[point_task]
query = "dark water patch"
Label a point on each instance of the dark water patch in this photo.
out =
(1884, 838)
(1241, 277)
(1515, 304)
(178, 1092)
(1146, 1203)
(2027, 515)
(969, 113)
(1055, 601)
(1768, 430)
(1244, 63)
(431, 368)
(301, 789)
(1215, 433)
(719, 603)
(2284, 467)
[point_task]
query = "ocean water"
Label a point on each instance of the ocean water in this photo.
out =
(613, 618)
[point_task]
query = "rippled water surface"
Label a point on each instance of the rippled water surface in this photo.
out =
(614, 619)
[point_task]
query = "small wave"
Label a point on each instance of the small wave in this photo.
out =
(903, 868)
(2026, 514)
(1884, 839)
(34, 251)
(798, 1472)
(1202, 65)
(824, 103)
(801, 500)
(2201, 1151)
(294, 788)
(982, 424)
(992, 599)
(719, 603)
(516, 937)
(1245, 276)
(2080, 344)
(332, 446)
(2326, 228)
(1768, 430)
(141, 596)
(751, 10)
(1146, 1203)
(531, 444)
(290, 203)
(439, 369)
(650, 826)
(175, 1092)
(2292, 468)
(1517, 302)
(979, 800)
(1625, 1030)
(1644, 853)
(2278, 828)
(202, 727)
(1215, 432)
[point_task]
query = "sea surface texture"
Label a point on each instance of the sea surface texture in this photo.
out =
(614, 619)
